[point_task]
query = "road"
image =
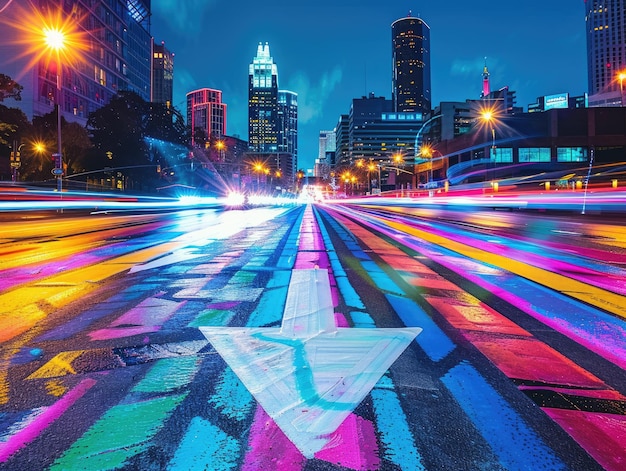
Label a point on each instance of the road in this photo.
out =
(313, 337)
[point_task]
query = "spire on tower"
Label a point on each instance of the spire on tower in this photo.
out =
(486, 87)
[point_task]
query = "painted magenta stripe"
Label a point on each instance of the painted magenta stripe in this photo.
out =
(353, 445)
(268, 447)
(44, 420)
(515, 444)
(602, 435)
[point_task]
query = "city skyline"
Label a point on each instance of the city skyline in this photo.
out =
(534, 48)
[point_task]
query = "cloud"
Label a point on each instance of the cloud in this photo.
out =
(312, 97)
(185, 16)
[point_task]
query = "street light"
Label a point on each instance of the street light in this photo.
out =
(54, 39)
(621, 77)
(489, 118)
(220, 147)
(427, 151)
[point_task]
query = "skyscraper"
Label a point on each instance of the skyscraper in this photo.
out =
(411, 65)
(606, 51)
(288, 132)
(263, 102)
(162, 74)
(272, 118)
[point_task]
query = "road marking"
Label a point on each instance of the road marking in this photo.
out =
(309, 374)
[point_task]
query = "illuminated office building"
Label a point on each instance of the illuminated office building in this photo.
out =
(606, 51)
(162, 74)
(206, 115)
(116, 56)
(272, 118)
(288, 133)
(411, 90)
(263, 103)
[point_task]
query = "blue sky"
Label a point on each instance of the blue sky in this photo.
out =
(332, 51)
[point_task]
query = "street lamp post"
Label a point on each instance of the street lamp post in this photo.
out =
(621, 77)
(55, 41)
(489, 118)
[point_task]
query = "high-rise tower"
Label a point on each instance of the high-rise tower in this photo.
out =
(411, 65)
(606, 49)
(263, 132)
(486, 86)
(272, 118)
(162, 74)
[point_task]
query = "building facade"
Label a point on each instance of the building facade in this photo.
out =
(263, 122)
(162, 74)
(376, 132)
(206, 115)
(287, 162)
(558, 146)
(272, 121)
(411, 86)
(606, 51)
(115, 55)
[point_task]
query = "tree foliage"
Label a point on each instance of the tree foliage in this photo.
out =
(9, 88)
(120, 130)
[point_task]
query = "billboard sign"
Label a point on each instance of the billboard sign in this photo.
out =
(556, 101)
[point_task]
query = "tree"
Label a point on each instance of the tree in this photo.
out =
(117, 131)
(76, 144)
(9, 88)
(14, 128)
(166, 123)
(122, 132)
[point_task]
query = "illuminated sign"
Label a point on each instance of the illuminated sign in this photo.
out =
(556, 101)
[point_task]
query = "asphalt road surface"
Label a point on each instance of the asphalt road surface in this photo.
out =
(326, 337)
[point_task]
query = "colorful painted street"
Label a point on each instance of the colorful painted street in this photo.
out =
(313, 337)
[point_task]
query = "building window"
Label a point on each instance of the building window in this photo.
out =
(534, 154)
(571, 154)
(502, 154)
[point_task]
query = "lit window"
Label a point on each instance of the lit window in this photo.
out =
(534, 154)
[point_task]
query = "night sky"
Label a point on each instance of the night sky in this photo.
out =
(332, 51)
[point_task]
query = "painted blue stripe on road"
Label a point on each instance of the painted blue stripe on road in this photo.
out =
(435, 343)
(394, 430)
(515, 444)
(205, 446)
(231, 397)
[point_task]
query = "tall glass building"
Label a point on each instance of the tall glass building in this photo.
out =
(411, 90)
(272, 118)
(162, 74)
(116, 54)
(606, 50)
(263, 121)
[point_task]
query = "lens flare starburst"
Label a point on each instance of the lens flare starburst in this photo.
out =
(47, 35)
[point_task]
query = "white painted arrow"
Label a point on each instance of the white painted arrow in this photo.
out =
(309, 375)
